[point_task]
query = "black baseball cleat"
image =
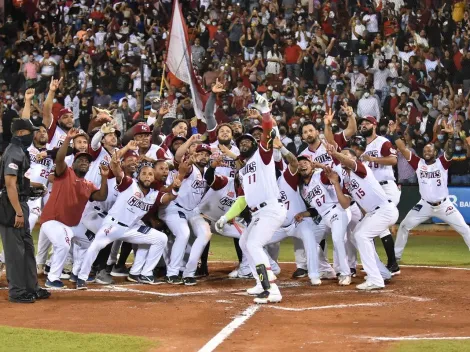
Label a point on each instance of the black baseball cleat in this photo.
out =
(41, 294)
(394, 269)
(24, 298)
(189, 281)
(159, 272)
(202, 271)
(299, 273)
(133, 278)
(174, 280)
(353, 272)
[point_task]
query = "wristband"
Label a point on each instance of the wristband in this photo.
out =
(175, 193)
(153, 111)
(284, 151)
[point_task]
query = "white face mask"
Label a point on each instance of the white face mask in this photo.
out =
(458, 148)
(278, 118)
(165, 95)
(400, 85)
(294, 126)
(302, 119)
(318, 121)
(392, 94)
(366, 95)
(333, 77)
(356, 71)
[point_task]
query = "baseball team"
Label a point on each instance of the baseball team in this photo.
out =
(164, 196)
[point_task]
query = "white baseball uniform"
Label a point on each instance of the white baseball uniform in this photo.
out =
(123, 222)
(181, 214)
(56, 134)
(381, 213)
(435, 202)
(228, 168)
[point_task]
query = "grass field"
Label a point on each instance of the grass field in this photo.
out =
(436, 250)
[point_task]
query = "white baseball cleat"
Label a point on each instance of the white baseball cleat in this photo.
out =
(367, 286)
(233, 274)
(254, 291)
(273, 295)
(328, 275)
(315, 281)
(344, 280)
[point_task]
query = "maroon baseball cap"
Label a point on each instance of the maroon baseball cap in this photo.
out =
(369, 118)
(203, 148)
(129, 154)
(141, 128)
(64, 111)
(85, 154)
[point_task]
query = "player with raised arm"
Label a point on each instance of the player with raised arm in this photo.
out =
(380, 213)
(260, 192)
(432, 172)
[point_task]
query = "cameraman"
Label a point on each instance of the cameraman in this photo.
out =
(14, 212)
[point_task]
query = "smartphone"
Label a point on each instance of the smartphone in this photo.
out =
(459, 92)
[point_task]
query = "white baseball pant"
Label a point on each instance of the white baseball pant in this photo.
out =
(303, 231)
(393, 192)
(421, 212)
(372, 225)
(337, 220)
(264, 223)
(151, 244)
(35, 210)
(178, 221)
(60, 236)
(113, 256)
(351, 251)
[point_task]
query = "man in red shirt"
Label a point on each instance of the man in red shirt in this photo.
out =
(70, 193)
(292, 54)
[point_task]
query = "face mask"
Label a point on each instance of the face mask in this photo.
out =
(333, 77)
(83, 2)
(297, 140)
(26, 140)
(259, 56)
(458, 148)
(356, 71)
(392, 94)
(66, 61)
(294, 126)
(318, 121)
(214, 23)
(179, 116)
(302, 119)
(165, 95)
(400, 85)
(54, 100)
(282, 98)
(278, 118)
(366, 95)
(225, 107)
(98, 9)
(219, 31)
(440, 137)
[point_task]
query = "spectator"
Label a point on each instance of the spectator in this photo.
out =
(460, 167)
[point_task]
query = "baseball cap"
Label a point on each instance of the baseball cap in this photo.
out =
(178, 138)
(203, 148)
(141, 128)
(257, 127)
(369, 118)
(64, 111)
(177, 121)
(303, 157)
(85, 154)
(130, 154)
(23, 124)
(246, 136)
(82, 133)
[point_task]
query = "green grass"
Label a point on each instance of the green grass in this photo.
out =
(431, 346)
(40, 340)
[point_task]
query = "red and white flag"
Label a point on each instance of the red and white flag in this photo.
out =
(179, 60)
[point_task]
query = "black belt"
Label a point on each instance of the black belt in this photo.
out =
(352, 202)
(379, 206)
(119, 223)
(181, 207)
(262, 205)
(334, 206)
(383, 183)
(436, 204)
(101, 214)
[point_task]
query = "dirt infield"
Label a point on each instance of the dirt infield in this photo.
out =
(422, 302)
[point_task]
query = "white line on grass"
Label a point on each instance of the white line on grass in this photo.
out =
(417, 338)
(229, 329)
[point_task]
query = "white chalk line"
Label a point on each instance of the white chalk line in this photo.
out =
(229, 329)
(414, 338)
(336, 306)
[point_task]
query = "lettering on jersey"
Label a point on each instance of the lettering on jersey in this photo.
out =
(283, 196)
(374, 153)
(45, 161)
(226, 201)
(323, 159)
(134, 202)
(417, 207)
(352, 185)
(316, 191)
(430, 174)
(249, 168)
(334, 218)
(59, 143)
(198, 184)
(106, 160)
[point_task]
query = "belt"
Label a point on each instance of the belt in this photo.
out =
(334, 206)
(379, 206)
(119, 223)
(383, 183)
(437, 203)
(262, 205)
(101, 214)
(352, 202)
(179, 206)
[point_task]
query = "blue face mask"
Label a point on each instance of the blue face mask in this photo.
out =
(440, 137)
(458, 148)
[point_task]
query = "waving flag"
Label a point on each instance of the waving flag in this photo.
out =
(179, 60)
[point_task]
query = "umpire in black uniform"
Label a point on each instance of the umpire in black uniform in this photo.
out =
(14, 212)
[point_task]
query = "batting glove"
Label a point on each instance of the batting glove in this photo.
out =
(219, 225)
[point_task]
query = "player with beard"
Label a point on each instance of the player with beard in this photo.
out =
(123, 222)
(57, 128)
(70, 194)
(260, 192)
(183, 214)
(143, 136)
(381, 157)
(237, 128)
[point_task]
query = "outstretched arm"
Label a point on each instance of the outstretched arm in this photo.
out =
(47, 109)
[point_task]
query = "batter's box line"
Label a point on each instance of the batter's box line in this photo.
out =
(412, 338)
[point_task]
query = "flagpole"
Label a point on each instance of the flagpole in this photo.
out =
(163, 79)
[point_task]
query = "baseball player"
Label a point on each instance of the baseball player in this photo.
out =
(260, 192)
(70, 194)
(123, 222)
(380, 212)
(183, 213)
(432, 175)
(381, 156)
(143, 137)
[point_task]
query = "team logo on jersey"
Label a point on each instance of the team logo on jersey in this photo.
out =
(134, 202)
(13, 166)
(283, 196)
(226, 201)
(199, 184)
(67, 239)
(430, 174)
(249, 168)
(323, 159)
(334, 218)
(450, 210)
(393, 151)
(373, 153)
(231, 194)
(138, 195)
(424, 167)
(353, 184)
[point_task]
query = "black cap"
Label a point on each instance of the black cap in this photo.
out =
(23, 124)
(83, 154)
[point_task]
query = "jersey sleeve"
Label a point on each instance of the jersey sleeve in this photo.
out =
(445, 163)
(324, 179)
(266, 154)
(291, 179)
(219, 182)
(387, 149)
(161, 154)
(126, 182)
(414, 161)
(94, 153)
(360, 170)
(340, 139)
(212, 134)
